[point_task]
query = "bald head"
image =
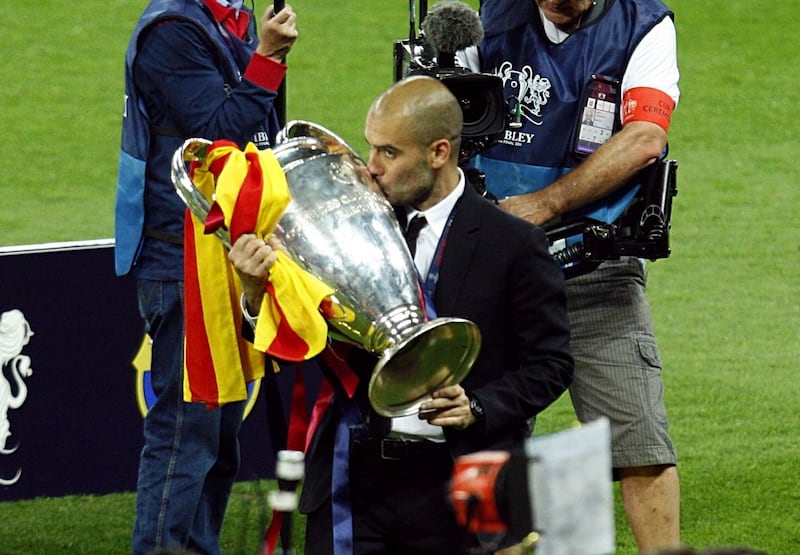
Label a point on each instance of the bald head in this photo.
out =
(425, 107)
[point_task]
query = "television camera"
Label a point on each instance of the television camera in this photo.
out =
(448, 28)
(578, 243)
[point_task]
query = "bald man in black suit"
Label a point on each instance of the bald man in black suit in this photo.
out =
(493, 269)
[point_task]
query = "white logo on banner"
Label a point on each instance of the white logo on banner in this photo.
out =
(15, 333)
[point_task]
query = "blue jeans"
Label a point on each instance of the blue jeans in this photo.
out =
(191, 454)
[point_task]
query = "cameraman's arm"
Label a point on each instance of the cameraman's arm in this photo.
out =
(637, 145)
(650, 93)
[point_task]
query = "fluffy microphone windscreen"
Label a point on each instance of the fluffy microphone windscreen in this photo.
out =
(451, 26)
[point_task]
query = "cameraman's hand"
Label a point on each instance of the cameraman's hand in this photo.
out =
(527, 207)
(449, 407)
(277, 33)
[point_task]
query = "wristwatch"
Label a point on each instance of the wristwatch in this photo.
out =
(252, 320)
(476, 408)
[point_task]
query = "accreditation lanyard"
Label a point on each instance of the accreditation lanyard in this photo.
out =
(431, 280)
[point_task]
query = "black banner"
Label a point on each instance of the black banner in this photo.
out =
(74, 382)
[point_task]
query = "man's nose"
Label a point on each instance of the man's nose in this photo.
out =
(373, 166)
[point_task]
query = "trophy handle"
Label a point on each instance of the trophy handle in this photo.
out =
(196, 149)
(193, 150)
(301, 128)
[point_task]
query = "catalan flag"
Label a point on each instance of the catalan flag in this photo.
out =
(250, 194)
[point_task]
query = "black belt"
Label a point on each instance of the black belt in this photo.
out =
(163, 236)
(397, 449)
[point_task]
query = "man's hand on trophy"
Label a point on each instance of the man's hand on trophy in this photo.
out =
(449, 407)
(252, 258)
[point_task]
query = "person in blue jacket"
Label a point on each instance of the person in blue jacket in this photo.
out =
(592, 85)
(193, 68)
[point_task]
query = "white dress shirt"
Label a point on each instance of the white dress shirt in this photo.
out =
(428, 240)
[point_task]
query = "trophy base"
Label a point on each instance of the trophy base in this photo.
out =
(438, 353)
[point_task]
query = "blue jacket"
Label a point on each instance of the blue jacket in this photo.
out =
(550, 79)
(183, 78)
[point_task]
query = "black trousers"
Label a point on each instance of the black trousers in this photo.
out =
(400, 496)
(400, 502)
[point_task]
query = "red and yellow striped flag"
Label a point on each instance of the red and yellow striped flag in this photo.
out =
(250, 193)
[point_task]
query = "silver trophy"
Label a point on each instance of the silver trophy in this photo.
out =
(343, 233)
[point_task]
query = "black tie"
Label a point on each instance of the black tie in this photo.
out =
(412, 232)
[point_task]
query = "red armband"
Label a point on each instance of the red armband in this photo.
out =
(646, 104)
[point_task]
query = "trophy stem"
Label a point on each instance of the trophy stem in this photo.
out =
(393, 327)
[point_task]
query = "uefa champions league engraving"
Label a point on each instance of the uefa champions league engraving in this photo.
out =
(346, 235)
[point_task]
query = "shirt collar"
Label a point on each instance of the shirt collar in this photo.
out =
(228, 12)
(235, 4)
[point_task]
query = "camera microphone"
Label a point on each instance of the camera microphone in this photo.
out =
(451, 26)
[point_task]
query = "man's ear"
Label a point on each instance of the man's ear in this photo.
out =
(439, 152)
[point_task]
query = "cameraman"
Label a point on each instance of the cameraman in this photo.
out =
(559, 59)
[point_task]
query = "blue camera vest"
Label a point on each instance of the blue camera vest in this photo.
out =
(136, 125)
(547, 81)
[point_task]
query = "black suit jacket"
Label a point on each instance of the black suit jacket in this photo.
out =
(497, 272)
